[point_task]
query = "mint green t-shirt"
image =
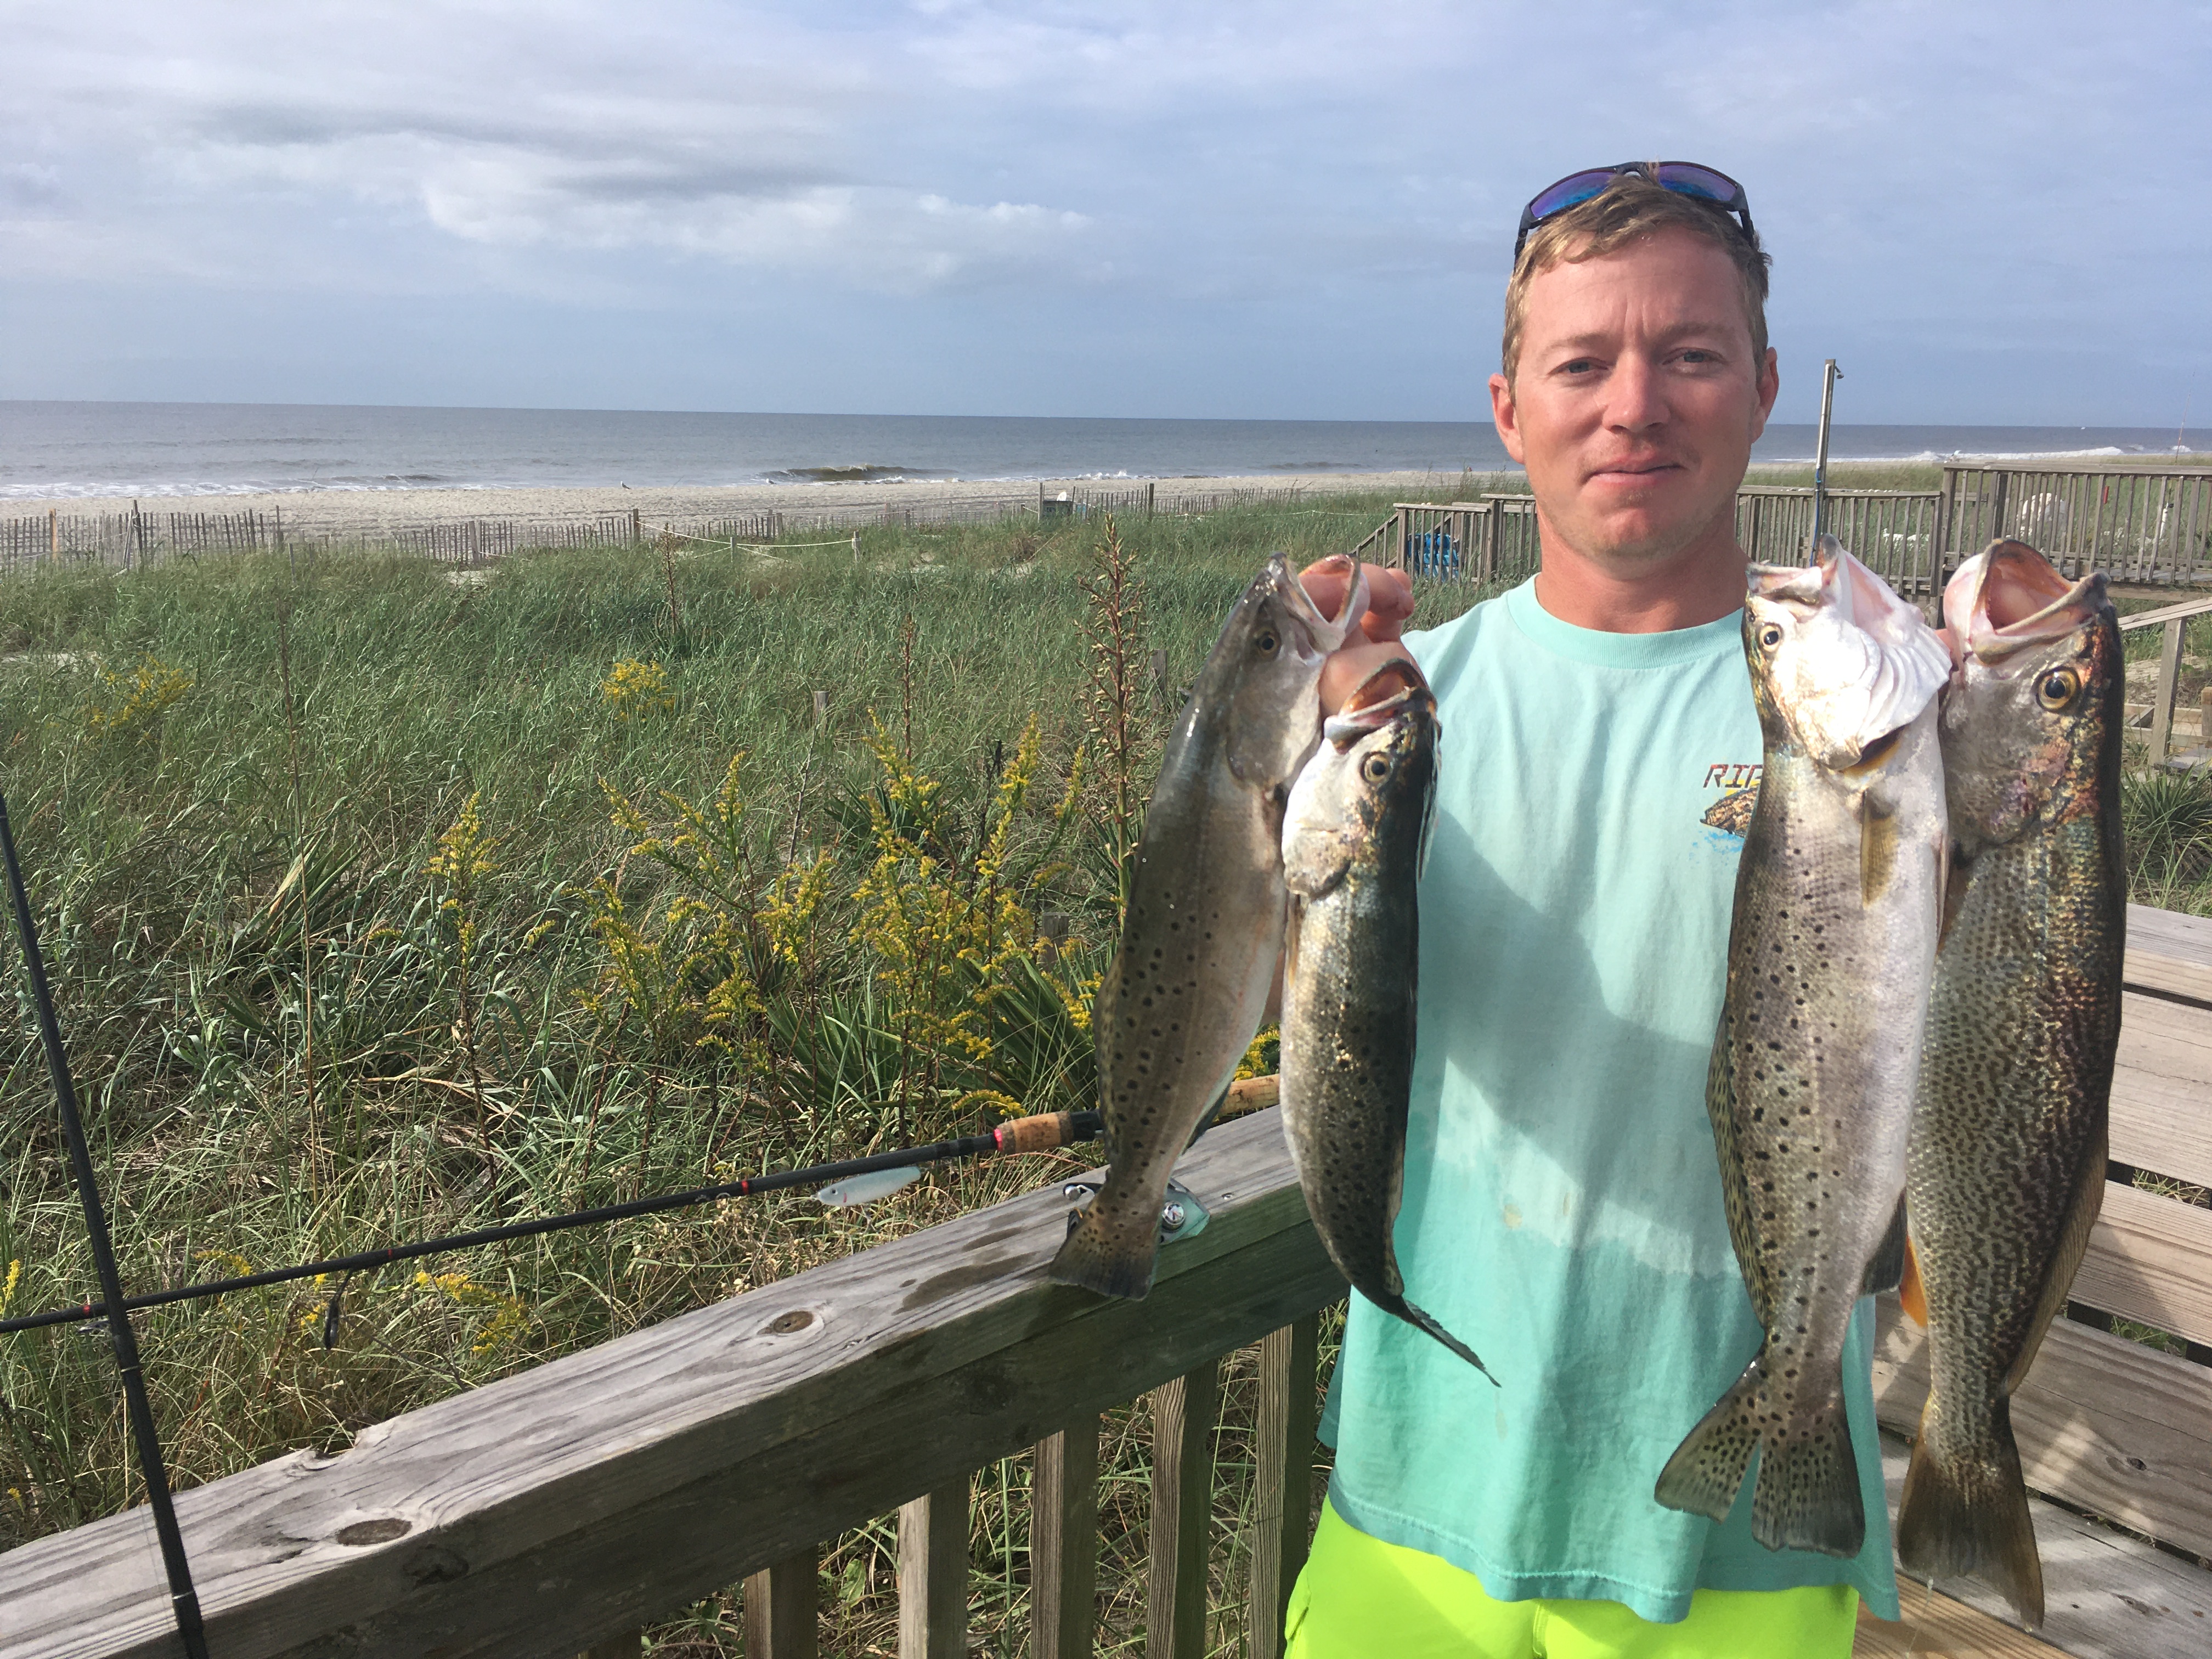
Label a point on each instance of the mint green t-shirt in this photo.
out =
(1562, 1210)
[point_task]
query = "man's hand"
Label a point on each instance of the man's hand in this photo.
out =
(1374, 641)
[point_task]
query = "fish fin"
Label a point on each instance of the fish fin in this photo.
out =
(1952, 875)
(1877, 848)
(1415, 1317)
(1885, 1269)
(1211, 1113)
(1911, 1294)
(2073, 1240)
(1109, 1259)
(1735, 1190)
(1808, 1493)
(1807, 1496)
(1967, 1516)
(1707, 1469)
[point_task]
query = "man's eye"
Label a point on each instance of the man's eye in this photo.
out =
(1698, 355)
(1578, 366)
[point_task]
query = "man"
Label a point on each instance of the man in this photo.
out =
(1562, 1211)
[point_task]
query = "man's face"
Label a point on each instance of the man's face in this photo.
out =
(1636, 401)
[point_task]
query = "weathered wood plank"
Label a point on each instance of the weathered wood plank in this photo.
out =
(2107, 1596)
(933, 1573)
(2169, 952)
(2107, 1424)
(1283, 1481)
(1184, 1412)
(2150, 1259)
(2162, 1089)
(783, 1608)
(1064, 1543)
(574, 1502)
(1936, 1627)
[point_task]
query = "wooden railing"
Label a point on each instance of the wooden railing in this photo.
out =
(2172, 620)
(2134, 524)
(559, 1510)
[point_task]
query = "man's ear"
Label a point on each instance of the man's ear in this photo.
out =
(1769, 383)
(1503, 411)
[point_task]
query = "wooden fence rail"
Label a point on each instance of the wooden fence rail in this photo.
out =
(564, 1508)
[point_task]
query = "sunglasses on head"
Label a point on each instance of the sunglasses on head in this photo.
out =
(1683, 177)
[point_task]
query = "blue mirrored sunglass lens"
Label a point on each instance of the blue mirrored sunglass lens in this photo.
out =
(1568, 192)
(1697, 181)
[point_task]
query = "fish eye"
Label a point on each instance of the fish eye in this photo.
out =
(1266, 644)
(2058, 689)
(1375, 768)
(1770, 637)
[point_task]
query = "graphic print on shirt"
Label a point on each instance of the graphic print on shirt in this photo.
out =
(1738, 780)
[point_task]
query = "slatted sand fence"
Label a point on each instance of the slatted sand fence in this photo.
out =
(2137, 524)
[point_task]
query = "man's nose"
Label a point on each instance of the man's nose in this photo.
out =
(1634, 395)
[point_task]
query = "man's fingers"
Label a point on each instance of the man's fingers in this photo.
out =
(1347, 670)
(1389, 595)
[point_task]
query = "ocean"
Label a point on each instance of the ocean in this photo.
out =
(75, 450)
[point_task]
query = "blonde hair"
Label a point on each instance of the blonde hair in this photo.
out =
(1625, 211)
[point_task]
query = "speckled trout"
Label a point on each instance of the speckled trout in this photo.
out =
(2007, 1155)
(1831, 952)
(1353, 838)
(1203, 930)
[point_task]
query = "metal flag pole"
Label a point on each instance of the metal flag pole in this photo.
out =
(183, 1600)
(1829, 376)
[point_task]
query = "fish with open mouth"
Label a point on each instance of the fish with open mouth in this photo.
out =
(1204, 929)
(2006, 1166)
(1832, 948)
(1354, 836)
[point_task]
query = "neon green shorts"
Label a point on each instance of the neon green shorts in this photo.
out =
(1360, 1598)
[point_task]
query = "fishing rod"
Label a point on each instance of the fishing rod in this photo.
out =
(1040, 1132)
(183, 1600)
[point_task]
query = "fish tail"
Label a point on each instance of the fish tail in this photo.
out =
(1429, 1322)
(1110, 1258)
(1707, 1469)
(1808, 1495)
(1965, 1513)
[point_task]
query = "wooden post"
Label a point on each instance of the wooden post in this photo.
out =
(53, 533)
(932, 1574)
(1052, 936)
(1150, 489)
(1160, 680)
(1064, 1542)
(1283, 1479)
(2161, 708)
(820, 707)
(635, 532)
(1493, 538)
(1184, 1414)
(780, 1612)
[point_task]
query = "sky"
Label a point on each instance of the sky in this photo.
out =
(1989, 211)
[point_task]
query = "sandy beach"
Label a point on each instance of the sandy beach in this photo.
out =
(325, 512)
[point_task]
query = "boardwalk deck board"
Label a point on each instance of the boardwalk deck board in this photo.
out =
(2107, 1596)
